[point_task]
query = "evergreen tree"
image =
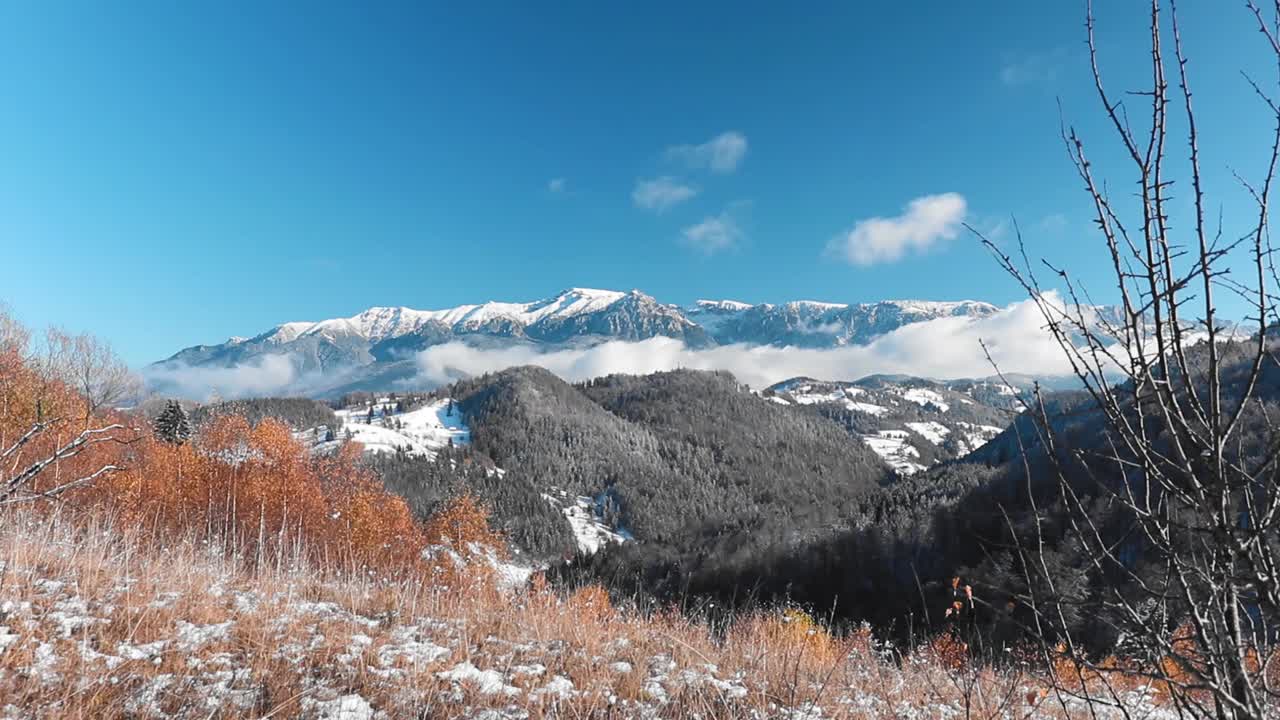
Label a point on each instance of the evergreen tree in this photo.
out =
(171, 425)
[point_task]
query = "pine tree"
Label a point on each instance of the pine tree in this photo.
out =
(171, 425)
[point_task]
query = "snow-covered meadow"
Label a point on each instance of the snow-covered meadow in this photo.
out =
(422, 431)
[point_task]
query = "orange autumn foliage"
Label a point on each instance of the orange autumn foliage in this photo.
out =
(33, 398)
(463, 524)
(461, 547)
(258, 490)
(254, 491)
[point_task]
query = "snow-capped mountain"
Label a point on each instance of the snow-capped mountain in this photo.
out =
(806, 323)
(384, 333)
(372, 348)
(911, 423)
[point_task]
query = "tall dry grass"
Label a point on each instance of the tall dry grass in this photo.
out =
(104, 619)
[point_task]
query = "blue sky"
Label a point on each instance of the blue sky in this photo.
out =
(174, 174)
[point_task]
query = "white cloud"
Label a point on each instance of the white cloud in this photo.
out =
(661, 194)
(261, 376)
(1052, 223)
(924, 222)
(1019, 69)
(557, 185)
(714, 233)
(946, 348)
(722, 153)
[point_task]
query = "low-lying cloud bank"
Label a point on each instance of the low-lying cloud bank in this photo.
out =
(946, 348)
(266, 375)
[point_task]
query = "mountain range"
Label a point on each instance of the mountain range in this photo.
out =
(370, 349)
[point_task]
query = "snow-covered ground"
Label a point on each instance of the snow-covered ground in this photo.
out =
(975, 436)
(805, 394)
(909, 416)
(934, 432)
(922, 396)
(893, 447)
(423, 431)
(589, 527)
(868, 408)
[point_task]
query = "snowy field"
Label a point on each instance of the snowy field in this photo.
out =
(892, 446)
(423, 431)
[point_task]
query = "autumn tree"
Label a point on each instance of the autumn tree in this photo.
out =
(50, 443)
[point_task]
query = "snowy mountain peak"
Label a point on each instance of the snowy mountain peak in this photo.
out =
(727, 305)
(609, 295)
(284, 333)
(816, 305)
(939, 308)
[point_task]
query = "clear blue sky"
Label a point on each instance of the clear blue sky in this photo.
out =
(173, 174)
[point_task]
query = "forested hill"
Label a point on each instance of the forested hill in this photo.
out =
(670, 456)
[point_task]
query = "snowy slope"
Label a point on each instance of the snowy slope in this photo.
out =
(911, 423)
(419, 432)
(380, 323)
(585, 520)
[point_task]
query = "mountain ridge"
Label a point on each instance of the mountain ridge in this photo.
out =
(377, 347)
(379, 323)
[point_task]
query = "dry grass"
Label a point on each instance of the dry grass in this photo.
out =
(102, 622)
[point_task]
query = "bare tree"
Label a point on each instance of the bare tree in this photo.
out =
(1193, 569)
(91, 367)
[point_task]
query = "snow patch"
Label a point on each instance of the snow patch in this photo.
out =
(892, 446)
(922, 397)
(347, 707)
(934, 432)
(424, 431)
(587, 522)
(488, 682)
(868, 408)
